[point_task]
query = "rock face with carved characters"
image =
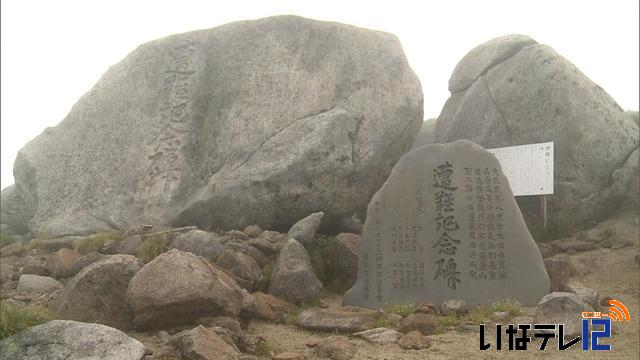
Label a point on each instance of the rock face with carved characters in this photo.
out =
(445, 225)
(253, 122)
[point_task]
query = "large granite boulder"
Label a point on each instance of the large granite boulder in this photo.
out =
(70, 340)
(293, 278)
(177, 288)
(98, 293)
(445, 225)
(253, 122)
(513, 91)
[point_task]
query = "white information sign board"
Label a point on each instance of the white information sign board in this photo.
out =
(529, 168)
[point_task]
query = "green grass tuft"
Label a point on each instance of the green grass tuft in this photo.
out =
(14, 319)
(95, 243)
(34, 244)
(510, 306)
(264, 349)
(6, 240)
(384, 322)
(403, 310)
(151, 247)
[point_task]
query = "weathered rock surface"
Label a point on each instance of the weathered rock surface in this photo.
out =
(562, 308)
(202, 343)
(36, 284)
(53, 245)
(15, 249)
(336, 348)
(513, 91)
(344, 260)
(253, 122)
(269, 307)
(379, 336)
(335, 321)
(444, 226)
(177, 287)
(244, 268)
(305, 229)
(426, 324)
(414, 340)
(559, 270)
(14, 211)
(70, 340)
(84, 261)
(98, 293)
(61, 262)
(453, 307)
(200, 243)
(130, 245)
(293, 278)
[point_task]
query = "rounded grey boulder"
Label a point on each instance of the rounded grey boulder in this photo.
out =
(293, 278)
(253, 122)
(70, 340)
(513, 91)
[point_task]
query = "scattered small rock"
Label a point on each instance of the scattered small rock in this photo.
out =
(253, 231)
(244, 268)
(558, 269)
(571, 245)
(236, 234)
(335, 321)
(336, 348)
(269, 307)
(130, 245)
(427, 308)
(414, 340)
(344, 260)
(562, 308)
(251, 344)
(293, 278)
(289, 356)
(15, 249)
(588, 295)
(37, 285)
(304, 230)
(203, 344)
(59, 264)
(379, 336)
(200, 243)
(453, 307)
(426, 324)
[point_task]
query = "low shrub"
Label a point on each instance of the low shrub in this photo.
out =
(14, 319)
(151, 247)
(6, 240)
(95, 243)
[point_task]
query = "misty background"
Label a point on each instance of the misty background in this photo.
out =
(54, 52)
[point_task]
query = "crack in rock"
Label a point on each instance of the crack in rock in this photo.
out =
(277, 132)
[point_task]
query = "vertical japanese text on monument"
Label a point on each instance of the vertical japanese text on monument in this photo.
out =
(446, 225)
(483, 195)
(377, 218)
(166, 164)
